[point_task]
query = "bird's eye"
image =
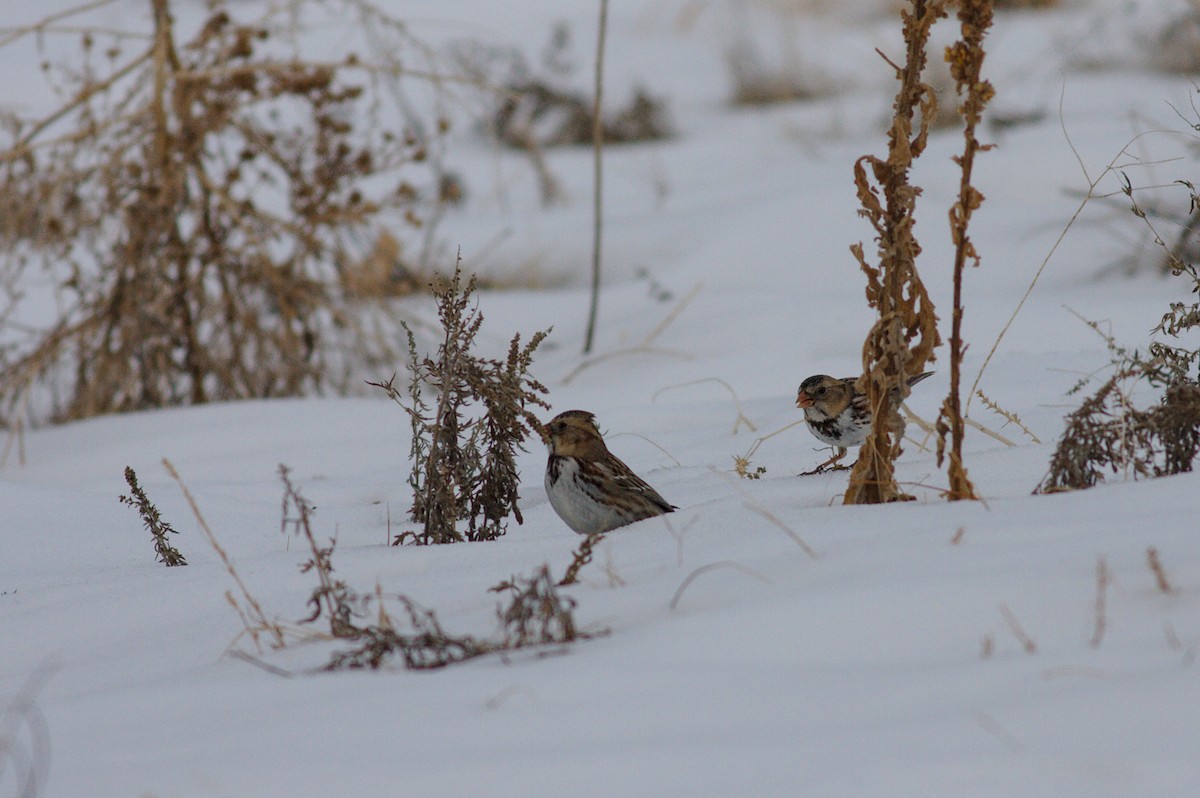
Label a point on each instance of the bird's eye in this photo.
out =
(821, 391)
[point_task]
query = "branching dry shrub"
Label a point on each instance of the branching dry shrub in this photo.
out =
(1106, 432)
(194, 206)
(903, 339)
(159, 529)
(535, 615)
(463, 460)
(427, 647)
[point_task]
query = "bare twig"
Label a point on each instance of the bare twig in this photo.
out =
(755, 507)
(645, 346)
(582, 556)
(262, 623)
(1008, 416)
(742, 462)
(742, 418)
(703, 569)
(1103, 579)
(1015, 627)
(1160, 575)
(1088, 196)
(597, 177)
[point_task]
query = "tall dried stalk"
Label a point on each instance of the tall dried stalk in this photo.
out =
(966, 63)
(903, 338)
(597, 176)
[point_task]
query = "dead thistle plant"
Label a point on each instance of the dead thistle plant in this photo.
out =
(904, 336)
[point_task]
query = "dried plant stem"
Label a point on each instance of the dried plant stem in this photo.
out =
(645, 346)
(159, 529)
(973, 424)
(597, 178)
(256, 610)
(741, 463)
(1160, 575)
(1089, 195)
(904, 336)
(582, 556)
(1015, 627)
(755, 507)
(1008, 416)
(1103, 578)
(703, 569)
(741, 419)
(966, 62)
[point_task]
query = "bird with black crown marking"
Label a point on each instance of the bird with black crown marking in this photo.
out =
(588, 486)
(839, 415)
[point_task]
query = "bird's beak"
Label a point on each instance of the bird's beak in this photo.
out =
(803, 400)
(544, 432)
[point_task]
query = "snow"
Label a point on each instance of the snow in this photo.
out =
(884, 665)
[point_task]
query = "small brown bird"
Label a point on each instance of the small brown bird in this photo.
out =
(589, 488)
(837, 414)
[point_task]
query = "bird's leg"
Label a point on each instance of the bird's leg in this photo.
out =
(829, 465)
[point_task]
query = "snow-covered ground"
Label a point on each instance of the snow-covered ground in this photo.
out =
(887, 665)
